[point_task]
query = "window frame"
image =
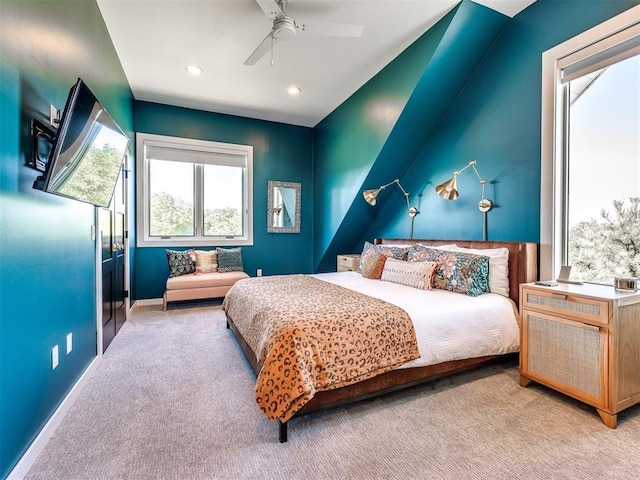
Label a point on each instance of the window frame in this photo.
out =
(553, 178)
(143, 239)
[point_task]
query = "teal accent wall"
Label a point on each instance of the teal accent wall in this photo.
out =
(280, 152)
(480, 96)
(496, 120)
(47, 257)
(349, 140)
(447, 55)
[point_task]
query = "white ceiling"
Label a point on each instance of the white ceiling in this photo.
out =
(156, 39)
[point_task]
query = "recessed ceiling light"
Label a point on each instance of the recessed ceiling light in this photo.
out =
(294, 91)
(194, 69)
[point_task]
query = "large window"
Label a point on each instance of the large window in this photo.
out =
(590, 195)
(193, 192)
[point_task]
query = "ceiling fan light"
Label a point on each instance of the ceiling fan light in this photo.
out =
(194, 70)
(284, 28)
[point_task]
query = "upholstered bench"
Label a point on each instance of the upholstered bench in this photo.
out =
(202, 286)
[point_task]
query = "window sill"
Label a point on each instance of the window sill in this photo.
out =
(192, 242)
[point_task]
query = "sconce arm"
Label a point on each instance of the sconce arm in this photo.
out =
(412, 211)
(483, 182)
(472, 164)
(449, 191)
(371, 195)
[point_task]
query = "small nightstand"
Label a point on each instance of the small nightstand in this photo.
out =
(348, 262)
(584, 341)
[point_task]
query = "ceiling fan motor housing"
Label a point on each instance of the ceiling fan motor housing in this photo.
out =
(284, 28)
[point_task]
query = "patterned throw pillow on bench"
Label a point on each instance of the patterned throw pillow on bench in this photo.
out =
(230, 259)
(206, 261)
(179, 263)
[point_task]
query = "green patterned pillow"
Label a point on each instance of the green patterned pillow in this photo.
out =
(459, 272)
(230, 259)
(179, 263)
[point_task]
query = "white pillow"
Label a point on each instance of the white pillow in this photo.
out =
(498, 266)
(449, 246)
(412, 274)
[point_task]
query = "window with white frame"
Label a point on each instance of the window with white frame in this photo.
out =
(193, 192)
(590, 189)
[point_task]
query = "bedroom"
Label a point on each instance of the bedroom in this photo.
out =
(43, 293)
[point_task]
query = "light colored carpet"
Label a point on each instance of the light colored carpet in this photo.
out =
(173, 399)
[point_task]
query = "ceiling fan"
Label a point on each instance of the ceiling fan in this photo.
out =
(285, 27)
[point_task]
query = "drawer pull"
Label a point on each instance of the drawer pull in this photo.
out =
(558, 296)
(591, 327)
(586, 326)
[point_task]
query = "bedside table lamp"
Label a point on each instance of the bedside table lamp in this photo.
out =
(371, 195)
(449, 191)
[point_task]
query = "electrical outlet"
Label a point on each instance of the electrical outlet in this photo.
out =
(69, 343)
(54, 357)
(259, 272)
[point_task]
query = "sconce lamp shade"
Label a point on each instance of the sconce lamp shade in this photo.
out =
(371, 195)
(448, 190)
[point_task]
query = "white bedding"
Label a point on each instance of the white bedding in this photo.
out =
(449, 326)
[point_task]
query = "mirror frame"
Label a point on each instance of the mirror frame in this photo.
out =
(270, 207)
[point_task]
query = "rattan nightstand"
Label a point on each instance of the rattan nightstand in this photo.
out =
(584, 341)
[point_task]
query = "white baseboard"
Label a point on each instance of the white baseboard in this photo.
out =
(146, 301)
(28, 459)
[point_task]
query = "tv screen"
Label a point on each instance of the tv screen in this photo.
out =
(87, 153)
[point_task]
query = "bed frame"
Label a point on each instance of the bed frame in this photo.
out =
(523, 268)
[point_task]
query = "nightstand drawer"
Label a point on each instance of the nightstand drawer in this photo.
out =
(347, 263)
(581, 308)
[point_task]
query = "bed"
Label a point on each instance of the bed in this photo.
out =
(405, 349)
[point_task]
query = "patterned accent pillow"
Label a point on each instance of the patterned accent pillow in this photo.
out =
(459, 272)
(373, 266)
(230, 259)
(179, 263)
(412, 274)
(206, 261)
(498, 267)
(390, 251)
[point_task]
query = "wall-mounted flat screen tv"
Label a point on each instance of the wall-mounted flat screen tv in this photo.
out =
(87, 153)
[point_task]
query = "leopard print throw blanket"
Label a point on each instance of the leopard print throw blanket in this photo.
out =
(309, 335)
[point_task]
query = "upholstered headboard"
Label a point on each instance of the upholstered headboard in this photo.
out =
(523, 257)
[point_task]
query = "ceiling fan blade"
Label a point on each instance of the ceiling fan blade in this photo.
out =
(263, 48)
(328, 29)
(271, 9)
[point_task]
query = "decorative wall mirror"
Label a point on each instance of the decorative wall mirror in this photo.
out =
(283, 207)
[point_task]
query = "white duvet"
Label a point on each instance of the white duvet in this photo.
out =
(449, 326)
